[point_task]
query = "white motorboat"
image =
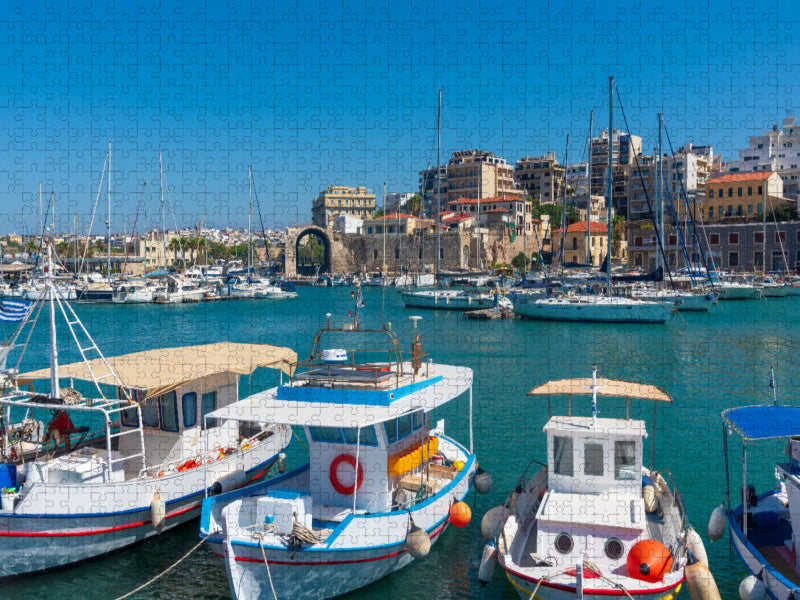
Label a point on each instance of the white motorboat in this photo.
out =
(447, 299)
(682, 300)
(135, 292)
(85, 473)
(593, 308)
(593, 522)
(380, 486)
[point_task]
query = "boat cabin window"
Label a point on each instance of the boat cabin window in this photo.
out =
(168, 407)
(625, 460)
(130, 416)
(403, 426)
(326, 434)
(562, 456)
(593, 459)
(366, 438)
(208, 403)
(189, 409)
(391, 430)
(150, 413)
(418, 419)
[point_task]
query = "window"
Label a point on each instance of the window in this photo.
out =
(739, 192)
(758, 259)
(733, 259)
(730, 209)
(672, 239)
(758, 238)
(574, 243)
(733, 238)
(625, 461)
(730, 192)
(710, 211)
(403, 426)
(326, 434)
(637, 241)
(391, 430)
(562, 456)
(367, 437)
(780, 236)
(739, 210)
(418, 419)
(749, 208)
(129, 417)
(208, 403)
(168, 407)
(593, 459)
(710, 193)
(714, 238)
(797, 235)
(150, 413)
(189, 409)
(759, 191)
(750, 190)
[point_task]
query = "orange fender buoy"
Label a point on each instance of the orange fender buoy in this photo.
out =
(649, 560)
(460, 514)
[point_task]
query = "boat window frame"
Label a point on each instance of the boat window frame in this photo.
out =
(414, 425)
(184, 403)
(567, 453)
(164, 401)
(123, 415)
(367, 437)
(403, 419)
(150, 404)
(618, 455)
(389, 438)
(313, 431)
(203, 411)
(586, 461)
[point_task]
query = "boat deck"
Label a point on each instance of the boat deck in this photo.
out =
(778, 557)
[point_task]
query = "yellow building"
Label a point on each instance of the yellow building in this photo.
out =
(739, 196)
(575, 242)
(342, 200)
(478, 174)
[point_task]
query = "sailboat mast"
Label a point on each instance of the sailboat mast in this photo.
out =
(438, 186)
(108, 240)
(588, 191)
(660, 193)
(610, 179)
(250, 221)
(163, 231)
(55, 391)
(764, 197)
(564, 212)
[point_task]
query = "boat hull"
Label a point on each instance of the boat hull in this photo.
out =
(447, 301)
(361, 550)
(33, 540)
(596, 312)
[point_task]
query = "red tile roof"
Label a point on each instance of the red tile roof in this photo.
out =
(734, 177)
(457, 218)
(582, 227)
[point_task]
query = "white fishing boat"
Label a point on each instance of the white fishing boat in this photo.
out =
(180, 291)
(379, 488)
(135, 292)
(765, 527)
(447, 299)
(593, 522)
(591, 308)
(86, 473)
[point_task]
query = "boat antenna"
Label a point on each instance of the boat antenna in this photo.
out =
(594, 396)
(610, 178)
(383, 264)
(773, 385)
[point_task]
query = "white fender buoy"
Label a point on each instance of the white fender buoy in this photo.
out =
(230, 481)
(694, 543)
(491, 522)
(486, 570)
(649, 497)
(418, 542)
(482, 481)
(716, 523)
(700, 582)
(752, 588)
(282, 462)
(158, 511)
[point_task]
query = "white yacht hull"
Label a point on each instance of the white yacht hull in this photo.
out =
(590, 309)
(447, 300)
(60, 524)
(737, 292)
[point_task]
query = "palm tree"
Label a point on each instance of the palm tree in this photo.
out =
(174, 245)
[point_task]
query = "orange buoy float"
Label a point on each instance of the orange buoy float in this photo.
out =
(460, 514)
(649, 560)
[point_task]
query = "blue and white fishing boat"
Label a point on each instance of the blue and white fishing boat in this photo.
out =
(380, 485)
(765, 527)
(114, 459)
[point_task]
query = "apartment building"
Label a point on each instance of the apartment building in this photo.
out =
(342, 200)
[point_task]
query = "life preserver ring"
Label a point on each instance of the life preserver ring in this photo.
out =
(346, 490)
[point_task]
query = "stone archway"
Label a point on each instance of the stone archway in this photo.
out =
(293, 243)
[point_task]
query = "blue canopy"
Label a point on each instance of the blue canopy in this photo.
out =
(764, 422)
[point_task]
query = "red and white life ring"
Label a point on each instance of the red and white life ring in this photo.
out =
(346, 490)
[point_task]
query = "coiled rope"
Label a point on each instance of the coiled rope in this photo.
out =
(165, 571)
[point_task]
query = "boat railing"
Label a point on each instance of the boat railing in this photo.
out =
(110, 408)
(327, 372)
(670, 488)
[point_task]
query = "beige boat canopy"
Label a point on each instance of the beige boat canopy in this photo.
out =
(165, 369)
(605, 387)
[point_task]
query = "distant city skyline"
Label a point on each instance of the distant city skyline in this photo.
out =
(317, 95)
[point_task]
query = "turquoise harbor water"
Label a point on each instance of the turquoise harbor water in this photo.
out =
(706, 361)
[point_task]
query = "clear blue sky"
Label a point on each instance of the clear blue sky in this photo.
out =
(312, 95)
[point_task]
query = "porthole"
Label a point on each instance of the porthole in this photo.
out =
(564, 543)
(614, 548)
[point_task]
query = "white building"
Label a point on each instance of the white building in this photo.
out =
(398, 201)
(348, 224)
(577, 179)
(777, 150)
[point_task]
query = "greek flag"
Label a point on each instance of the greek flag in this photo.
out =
(14, 311)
